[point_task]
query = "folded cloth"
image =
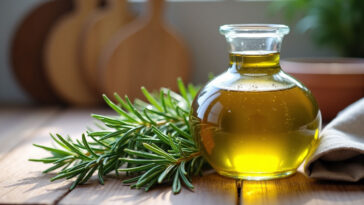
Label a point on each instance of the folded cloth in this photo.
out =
(340, 152)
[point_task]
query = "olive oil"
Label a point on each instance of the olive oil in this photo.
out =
(259, 124)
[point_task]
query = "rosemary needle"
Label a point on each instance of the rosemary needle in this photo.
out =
(144, 140)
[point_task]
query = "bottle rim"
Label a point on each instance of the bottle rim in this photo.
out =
(250, 30)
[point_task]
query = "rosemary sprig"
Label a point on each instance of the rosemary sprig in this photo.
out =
(149, 141)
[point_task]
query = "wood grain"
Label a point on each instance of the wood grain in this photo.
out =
(27, 49)
(22, 181)
(144, 53)
(63, 66)
(299, 189)
(99, 29)
(16, 124)
(210, 189)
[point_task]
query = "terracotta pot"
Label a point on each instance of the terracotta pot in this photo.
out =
(335, 82)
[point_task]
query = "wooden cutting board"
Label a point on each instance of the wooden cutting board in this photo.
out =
(98, 31)
(144, 53)
(27, 49)
(62, 56)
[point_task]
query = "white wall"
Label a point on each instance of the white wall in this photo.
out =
(197, 23)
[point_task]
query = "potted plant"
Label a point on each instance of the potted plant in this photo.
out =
(336, 24)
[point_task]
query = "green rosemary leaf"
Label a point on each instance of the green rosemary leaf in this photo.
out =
(93, 162)
(66, 174)
(176, 186)
(101, 127)
(140, 105)
(78, 144)
(186, 142)
(109, 166)
(59, 142)
(149, 175)
(66, 166)
(98, 161)
(98, 134)
(174, 97)
(160, 135)
(170, 117)
(182, 168)
(113, 134)
(106, 119)
(125, 137)
(77, 166)
(118, 109)
(182, 111)
(165, 173)
(54, 150)
(142, 161)
(210, 76)
(154, 148)
(118, 163)
(88, 147)
(137, 169)
(171, 101)
(192, 90)
(187, 123)
(78, 180)
(182, 90)
(131, 180)
(150, 184)
(148, 117)
(134, 110)
(172, 144)
(64, 159)
(151, 99)
(104, 162)
(54, 167)
(100, 174)
(199, 166)
(89, 175)
(181, 132)
(74, 174)
(142, 154)
(46, 160)
(122, 102)
(151, 141)
(100, 142)
(184, 178)
(162, 99)
(73, 148)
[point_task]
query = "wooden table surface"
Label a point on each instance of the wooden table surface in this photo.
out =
(22, 181)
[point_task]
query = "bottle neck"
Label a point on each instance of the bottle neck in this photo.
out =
(254, 48)
(266, 62)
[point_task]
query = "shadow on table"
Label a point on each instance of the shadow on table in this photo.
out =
(209, 189)
(298, 189)
(37, 181)
(39, 187)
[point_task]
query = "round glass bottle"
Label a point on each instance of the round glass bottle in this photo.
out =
(254, 121)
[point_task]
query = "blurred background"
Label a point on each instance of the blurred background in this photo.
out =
(69, 51)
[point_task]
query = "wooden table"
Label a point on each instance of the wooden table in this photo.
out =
(22, 181)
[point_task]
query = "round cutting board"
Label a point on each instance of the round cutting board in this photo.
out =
(62, 57)
(27, 49)
(98, 31)
(144, 53)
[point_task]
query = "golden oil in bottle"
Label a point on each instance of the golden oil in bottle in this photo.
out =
(254, 121)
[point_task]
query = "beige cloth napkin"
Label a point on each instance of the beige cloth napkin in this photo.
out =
(340, 153)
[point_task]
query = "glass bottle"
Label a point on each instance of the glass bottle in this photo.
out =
(254, 121)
